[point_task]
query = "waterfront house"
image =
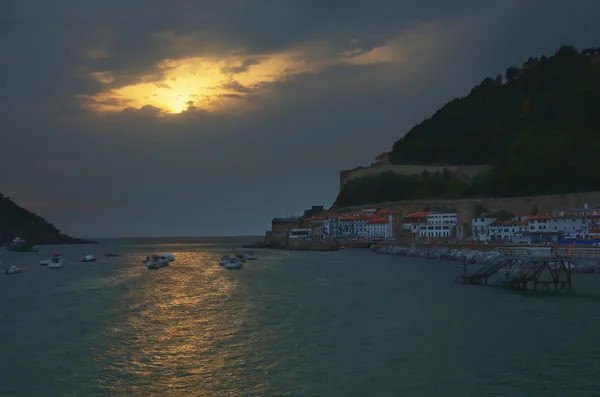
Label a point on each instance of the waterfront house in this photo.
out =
(481, 227)
(412, 222)
(379, 227)
(301, 234)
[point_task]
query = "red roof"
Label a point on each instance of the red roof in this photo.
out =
(378, 221)
(418, 215)
(538, 217)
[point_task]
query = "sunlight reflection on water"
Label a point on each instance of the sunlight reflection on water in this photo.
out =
(184, 329)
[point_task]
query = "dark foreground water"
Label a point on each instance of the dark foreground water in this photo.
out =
(346, 323)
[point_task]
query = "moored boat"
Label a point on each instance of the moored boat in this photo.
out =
(88, 258)
(56, 262)
(13, 270)
(251, 256)
(19, 244)
(156, 261)
(169, 256)
(234, 263)
(45, 262)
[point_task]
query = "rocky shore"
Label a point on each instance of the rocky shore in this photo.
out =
(469, 255)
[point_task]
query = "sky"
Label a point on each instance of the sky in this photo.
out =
(198, 118)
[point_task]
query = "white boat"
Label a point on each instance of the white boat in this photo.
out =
(13, 270)
(156, 261)
(169, 256)
(45, 262)
(251, 256)
(233, 263)
(55, 262)
(88, 258)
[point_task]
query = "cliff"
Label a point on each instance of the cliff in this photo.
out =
(19, 222)
(537, 126)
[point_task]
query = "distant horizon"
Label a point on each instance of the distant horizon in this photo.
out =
(170, 237)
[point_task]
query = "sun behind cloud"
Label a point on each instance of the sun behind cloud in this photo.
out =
(214, 84)
(203, 83)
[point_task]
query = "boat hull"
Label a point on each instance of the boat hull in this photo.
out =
(234, 265)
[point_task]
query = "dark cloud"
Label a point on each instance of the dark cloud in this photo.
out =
(141, 172)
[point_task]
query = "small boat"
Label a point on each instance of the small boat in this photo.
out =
(156, 261)
(241, 257)
(169, 256)
(88, 258)
(45, 262)
(233, 263)
(224, 260)
(55, 262)
(13, 270)
(251, 256)
(19, 244)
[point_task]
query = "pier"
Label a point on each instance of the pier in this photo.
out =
(543, 268)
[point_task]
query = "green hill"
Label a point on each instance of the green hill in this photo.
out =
(537, 125)
(19, 222)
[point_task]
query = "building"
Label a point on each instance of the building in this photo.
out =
(411, 224)
(285, 224)
(382, 158)
(379, 228)
(480, 227)
(302, 234)
(539, 229)
(315, 210)
(352, 226)
(576, 212)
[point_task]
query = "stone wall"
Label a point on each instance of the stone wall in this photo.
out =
(277, 239)
(517, 205)
(460, 171)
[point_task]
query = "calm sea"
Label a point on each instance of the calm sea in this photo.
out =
(347, 323)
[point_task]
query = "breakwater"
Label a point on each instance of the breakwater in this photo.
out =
(469, 256)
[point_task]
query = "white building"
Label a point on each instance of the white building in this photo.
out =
(379, 227)
(481, 228)
(568, 225)
(506, 231)
(438, 226)
(302, 234)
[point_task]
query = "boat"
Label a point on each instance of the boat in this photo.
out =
(88, 258)
(241, 257)
(13, 270)
(224, 260)
(56, 262)
(45, 262)
(19, 244)
(156, 261)
(233, 263)
(169, 256)
(251, 256)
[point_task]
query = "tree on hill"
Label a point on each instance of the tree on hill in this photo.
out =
(539, 130)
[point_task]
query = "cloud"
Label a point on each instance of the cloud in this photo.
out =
(211, 117)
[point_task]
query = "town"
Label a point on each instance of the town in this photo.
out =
(320, 226)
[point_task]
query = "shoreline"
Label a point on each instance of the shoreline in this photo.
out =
(468, 255)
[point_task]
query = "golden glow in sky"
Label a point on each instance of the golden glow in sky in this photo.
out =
(200, 82)
(215, 83)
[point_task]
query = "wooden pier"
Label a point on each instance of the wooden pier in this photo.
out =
(543, 268)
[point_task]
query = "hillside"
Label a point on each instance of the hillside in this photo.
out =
(537, 125)
(19, 222)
